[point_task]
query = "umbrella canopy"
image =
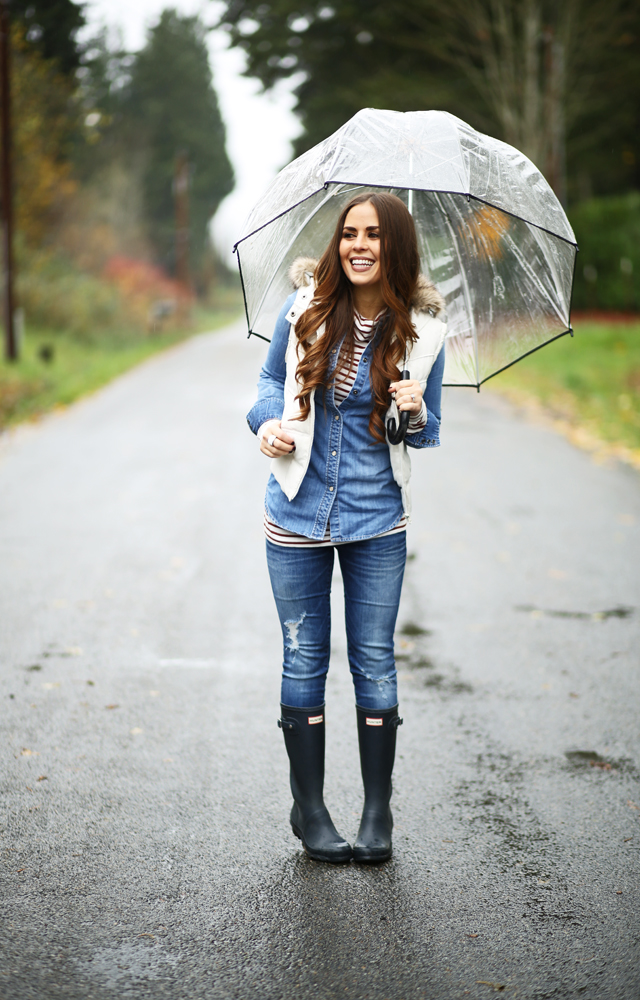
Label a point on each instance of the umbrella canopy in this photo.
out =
(492, 235)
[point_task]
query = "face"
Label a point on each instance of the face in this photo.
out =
(360, 245)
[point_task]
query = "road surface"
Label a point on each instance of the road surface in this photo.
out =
(144, 834)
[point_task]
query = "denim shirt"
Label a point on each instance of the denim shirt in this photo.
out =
(349, 481)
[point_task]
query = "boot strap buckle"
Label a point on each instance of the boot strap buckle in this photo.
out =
(285, 724)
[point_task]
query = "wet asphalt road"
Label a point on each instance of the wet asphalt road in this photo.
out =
(144, 834)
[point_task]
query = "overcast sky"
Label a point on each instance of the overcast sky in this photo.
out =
(260, 127)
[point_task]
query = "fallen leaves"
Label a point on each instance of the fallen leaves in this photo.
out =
(112, 706)
(494, 986)
(29, 753)
(42, 777)
(632, 805)
(604, 765)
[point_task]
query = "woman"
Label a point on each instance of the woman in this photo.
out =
(330, 380)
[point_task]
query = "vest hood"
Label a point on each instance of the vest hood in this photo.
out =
(426, 297)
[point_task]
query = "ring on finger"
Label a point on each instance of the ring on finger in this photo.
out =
(270, 440)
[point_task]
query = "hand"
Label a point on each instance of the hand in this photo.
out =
(408, 395)
(282, 444)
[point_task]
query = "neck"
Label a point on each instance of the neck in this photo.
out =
(368, 300)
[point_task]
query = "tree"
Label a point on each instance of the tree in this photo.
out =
(169, 109)
(51, 27)
(42, 124)
(559, 80)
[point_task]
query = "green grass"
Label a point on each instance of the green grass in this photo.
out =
(590, 381)
(33, 385)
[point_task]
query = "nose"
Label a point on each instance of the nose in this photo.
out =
(362, 241)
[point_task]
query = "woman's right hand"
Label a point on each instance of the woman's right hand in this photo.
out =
(274, 442)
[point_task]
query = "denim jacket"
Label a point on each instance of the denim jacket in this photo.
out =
(340, 474)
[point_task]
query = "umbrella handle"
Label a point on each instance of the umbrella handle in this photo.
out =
(396, 436)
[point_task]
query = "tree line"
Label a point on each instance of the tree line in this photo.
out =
(559, 79)
(97, 132)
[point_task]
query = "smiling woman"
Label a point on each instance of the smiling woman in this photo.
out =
(331, 378)
(360, 256)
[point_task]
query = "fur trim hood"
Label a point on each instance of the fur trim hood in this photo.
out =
(426, 297)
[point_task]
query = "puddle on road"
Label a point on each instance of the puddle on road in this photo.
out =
(129, 965)
(413, 657)
(620, 611)
(410, 628)
(582, 761)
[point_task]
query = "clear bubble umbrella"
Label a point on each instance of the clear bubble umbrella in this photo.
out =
(493, 237)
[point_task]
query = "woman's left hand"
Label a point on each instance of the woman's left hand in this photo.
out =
(407, 394)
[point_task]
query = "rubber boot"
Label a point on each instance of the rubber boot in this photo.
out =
(303, 730)
(377, 739)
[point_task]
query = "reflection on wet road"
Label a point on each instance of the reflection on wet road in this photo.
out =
(145, 841)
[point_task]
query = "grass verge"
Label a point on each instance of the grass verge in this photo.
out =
(55, 368)
(587, 387)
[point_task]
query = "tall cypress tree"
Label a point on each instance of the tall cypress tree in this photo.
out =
(171, 109)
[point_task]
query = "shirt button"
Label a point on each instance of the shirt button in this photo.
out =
(334, 453)
(336, 417)
(331, 489)
(355, 392)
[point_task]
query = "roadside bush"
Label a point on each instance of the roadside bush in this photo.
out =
(57, 295)
(608, 265)
(122, 303)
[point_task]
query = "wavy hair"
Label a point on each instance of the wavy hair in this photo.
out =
(333, 305)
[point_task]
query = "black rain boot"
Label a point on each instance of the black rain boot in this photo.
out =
(303, 730)
(377, 739)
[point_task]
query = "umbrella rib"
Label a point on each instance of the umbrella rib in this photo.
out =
(465, 287)
(457, 194)
(276, 217)
(526, 354)
(288, 247)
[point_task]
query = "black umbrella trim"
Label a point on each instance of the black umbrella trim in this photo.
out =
(383, 187)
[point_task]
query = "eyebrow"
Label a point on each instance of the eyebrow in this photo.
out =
(353, 229)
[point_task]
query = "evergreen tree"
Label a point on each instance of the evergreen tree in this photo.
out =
(170, 108)
(559, 80)
(51, 27)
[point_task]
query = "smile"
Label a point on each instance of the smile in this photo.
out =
(361, 263)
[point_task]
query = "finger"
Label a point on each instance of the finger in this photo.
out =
(284, 446)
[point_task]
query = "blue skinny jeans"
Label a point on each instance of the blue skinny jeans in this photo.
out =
(372, 573)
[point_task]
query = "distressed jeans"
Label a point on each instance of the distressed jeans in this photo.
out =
(372, 573)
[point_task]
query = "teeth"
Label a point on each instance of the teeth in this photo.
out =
(360, 261)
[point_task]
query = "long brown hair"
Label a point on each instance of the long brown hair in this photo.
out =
(333, 304)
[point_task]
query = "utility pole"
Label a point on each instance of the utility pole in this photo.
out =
(181, 198)
(6, 185)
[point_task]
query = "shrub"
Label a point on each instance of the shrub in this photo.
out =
(608, 265)
(123, 302)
